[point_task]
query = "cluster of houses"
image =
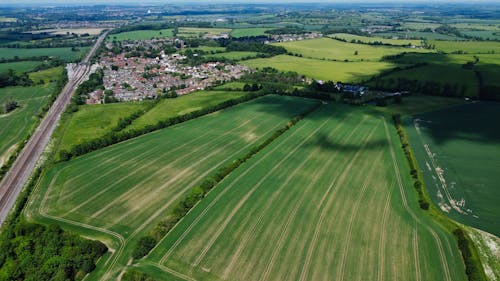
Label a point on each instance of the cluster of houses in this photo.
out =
(138, 78)
(294, 37)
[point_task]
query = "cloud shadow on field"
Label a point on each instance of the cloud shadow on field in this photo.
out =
(326, 143)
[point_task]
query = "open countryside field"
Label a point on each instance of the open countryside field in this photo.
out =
(244, 32)
(122, 191)
(366, 39)
(46, 75)
(331, 199)
(140, 35)
(233, 55)
(200, 32)
(19, 67)
(93, 121)
(321, 69)
(167, 108)
(16, 125)
(471, 47)
(458, 151)
(327, 48)
(65, 54)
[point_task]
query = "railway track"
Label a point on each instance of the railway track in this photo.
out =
(15, 179)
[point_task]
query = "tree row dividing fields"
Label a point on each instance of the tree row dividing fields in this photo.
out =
(122, 191)
(331, 199)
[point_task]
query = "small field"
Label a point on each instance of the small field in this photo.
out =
(366, 39)
(200, 32)
(331, 199)
(93, 121)
(140, 35)
(188, 103)
(458, 151)
(327, 48)
(233, 55)
(418, 35)
(16, 125)
(64, 31)
(19, 67)
(322, 69)
(470, 47)
(65, 54)
(46, 75)
(244, 32)
(119, 193)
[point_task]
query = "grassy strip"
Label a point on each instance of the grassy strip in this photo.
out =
(114, 136)
(473, 266)
(61, 82)
(133, 275)
(146, 243)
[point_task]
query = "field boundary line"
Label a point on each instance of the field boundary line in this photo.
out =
(247, 195)
(415, 253)
(252, 229)
(215, 200)
(173, 272)
(414, 216)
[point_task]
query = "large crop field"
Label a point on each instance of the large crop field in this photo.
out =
(140, 35)
(200, 32)
(185, 104)
(472, 47)
(327, 48)
(458, 151)
(366, 39)
(322, 69)
(63, 53)
(15, 125)
(331, 199)
(119, 193)
(19, 67)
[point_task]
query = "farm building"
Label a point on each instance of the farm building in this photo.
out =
(355, 90)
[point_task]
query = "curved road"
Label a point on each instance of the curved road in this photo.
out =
(14, 180)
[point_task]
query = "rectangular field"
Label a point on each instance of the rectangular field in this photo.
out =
(65, 54)
(122, 191)
(458, 150)
(140, 35)
(331, 199)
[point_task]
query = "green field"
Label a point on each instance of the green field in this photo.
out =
(233, 55)
(471, 47)
(63, 53)
(140, 35)
(418, 35)
(327, 48)
(46, 75)
(17, 124)
(188, 103)
(93, 121)
(321, 69)
(416, 104)
(231, 86)
(331, 199)
(366, 39)
(458, 151)
(200, 32)
(208, 49)
(19, 67)
(119, 193)
(243, 32)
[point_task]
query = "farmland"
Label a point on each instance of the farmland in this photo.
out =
(471, 47)
(118, 193)
(140, 35)
(326, 48)
(200, 32)
(457, 150)
(19, 67)
(16, 125)
(234, 55)
(243, 32)
(65, 54)
(366, 39)
(322, 69)
(172, 107)
(303, 208)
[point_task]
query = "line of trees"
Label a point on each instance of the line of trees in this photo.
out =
(256, 47)
(146, 243)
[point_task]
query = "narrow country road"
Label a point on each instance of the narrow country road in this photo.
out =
(14, 180)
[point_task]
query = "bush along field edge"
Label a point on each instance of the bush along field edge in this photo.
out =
(182, 208)
(61, 82)
(470, 255)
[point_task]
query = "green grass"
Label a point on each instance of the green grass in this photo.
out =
(323, 202)
(233, 55)
(140, 35)
(17, 124)
(462, 143)
(366, 39)
(19, 67)
(93, 121)
(200, 32)
(119, 193)
(243, 32)
(327, 48)
(323, 70)
(46, 75)
(472, 47)
(208, 49)
(188, 103)
(231, 86)
(65, 54)
(418, 35)
(416, 104)
(442, 74)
